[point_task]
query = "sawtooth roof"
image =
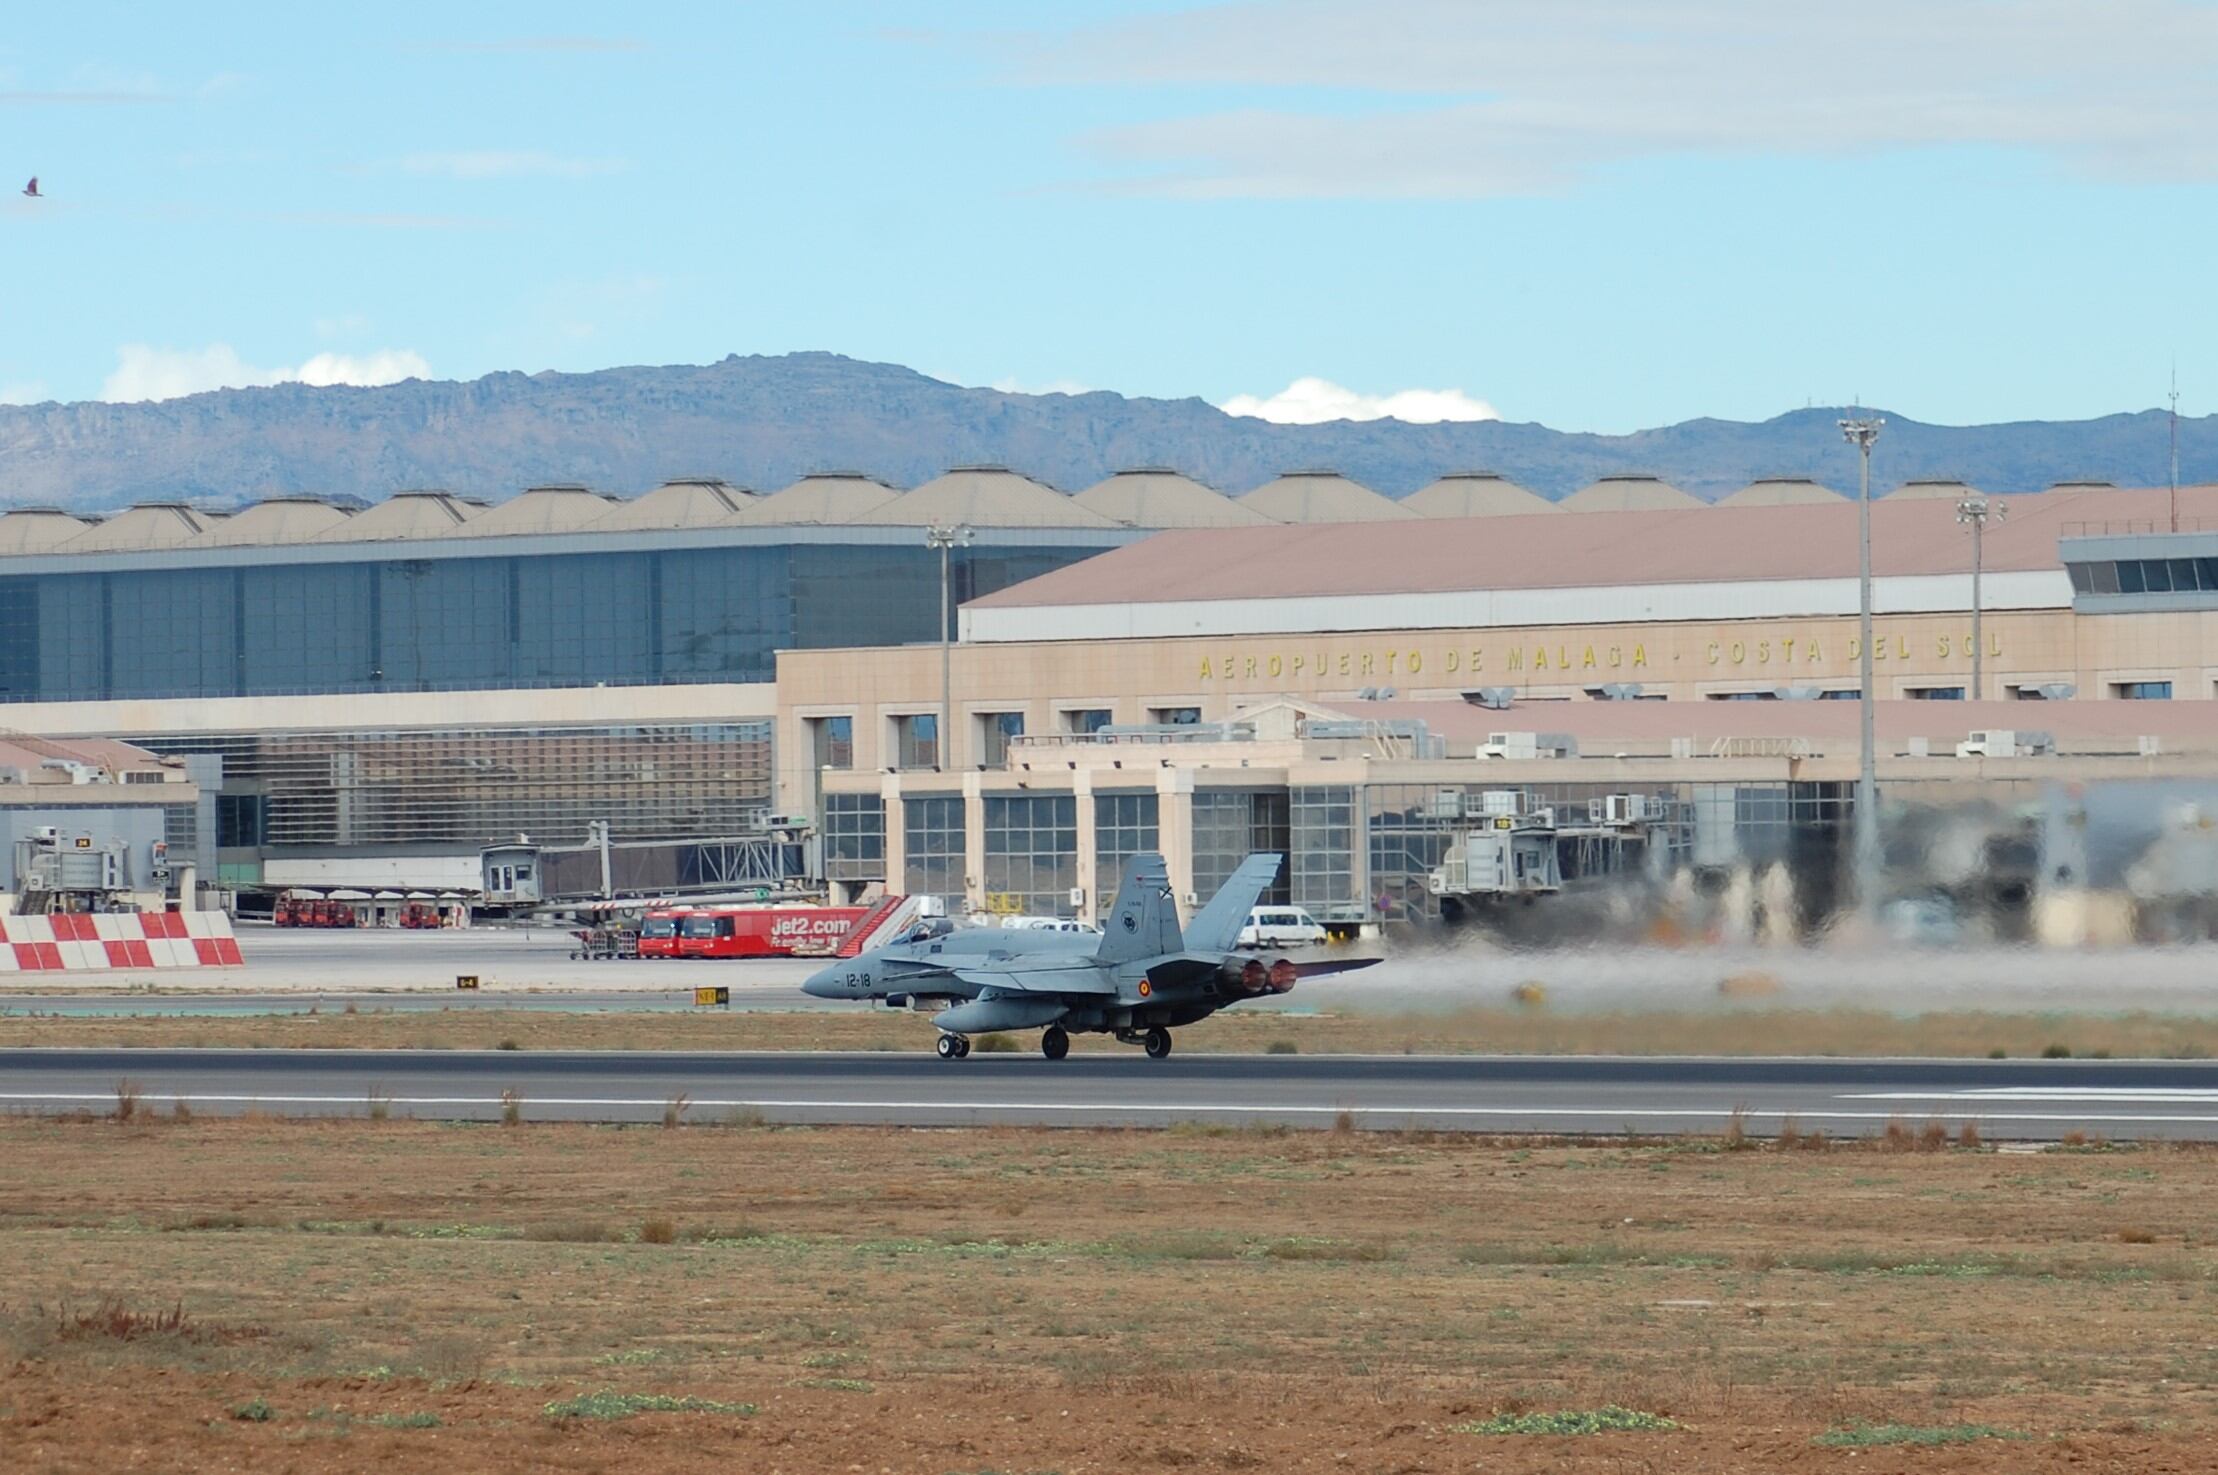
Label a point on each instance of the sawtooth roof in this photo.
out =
(686, 502)
(548, 509)
(1629, 494)
(1779, 491)
(404, 517)
(986, 497)
(820, 497)
(148, 525)
(1322, 497)
(1156, 498)
(1476, 494)
(273, 521)
(38, 529)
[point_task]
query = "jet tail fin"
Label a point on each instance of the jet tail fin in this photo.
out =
(1216, 927)
(1145, 922)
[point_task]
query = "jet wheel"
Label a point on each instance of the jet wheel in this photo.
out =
(1055, 1043)
(1158, 1041)
(962, 1047)
(950, 1047)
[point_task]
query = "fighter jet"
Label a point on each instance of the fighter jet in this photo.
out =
(1141, 979)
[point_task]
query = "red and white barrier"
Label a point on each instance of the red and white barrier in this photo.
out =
(96, 942)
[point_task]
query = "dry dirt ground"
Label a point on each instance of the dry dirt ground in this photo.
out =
(1748, 1030)
(315, 1296)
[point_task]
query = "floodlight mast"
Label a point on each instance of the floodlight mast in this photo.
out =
(1861, 432)
(945, 537)
(1973, 512)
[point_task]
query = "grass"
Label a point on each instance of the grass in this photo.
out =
(1609, 1419)
(254, 1411)
(609, 1404)
(1177, 1293)
(1872, 1436)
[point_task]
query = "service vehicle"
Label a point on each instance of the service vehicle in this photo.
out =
(1281, 927)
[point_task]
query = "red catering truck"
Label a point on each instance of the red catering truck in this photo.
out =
(759, 932)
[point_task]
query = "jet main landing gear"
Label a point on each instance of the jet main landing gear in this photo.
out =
(1158, 1042)
(953, 1047)
(1055, 1042)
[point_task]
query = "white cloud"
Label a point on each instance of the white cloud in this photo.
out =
(1443, 98)
(505, 164)
(385, 366)
(1312, 401)
(144, 372)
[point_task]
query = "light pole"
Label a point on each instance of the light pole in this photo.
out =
(1973, 512)
(1861, 433)
(945, 538)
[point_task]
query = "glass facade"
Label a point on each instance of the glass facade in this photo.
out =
(932, 836)
(685, 614)
(916, 740)
(2145, 576)
(466, 787)
(1322, 857)
(1031, 859)
(834, 738)
(995, 729)
(854, 837)
(1229, 825)
(1124, 826)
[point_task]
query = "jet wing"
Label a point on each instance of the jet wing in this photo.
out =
(1038, 975)
(1321, 966)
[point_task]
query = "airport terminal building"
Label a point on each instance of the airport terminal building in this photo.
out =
(391, 689)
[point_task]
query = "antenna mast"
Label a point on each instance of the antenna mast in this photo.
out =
(2175, 445)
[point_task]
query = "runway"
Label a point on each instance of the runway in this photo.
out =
(2019, 1099)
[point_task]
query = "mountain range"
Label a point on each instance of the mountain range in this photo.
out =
(761, 422)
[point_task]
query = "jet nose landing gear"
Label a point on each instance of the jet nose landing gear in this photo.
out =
(953, 1047)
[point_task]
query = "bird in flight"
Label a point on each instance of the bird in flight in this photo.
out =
(32, 189)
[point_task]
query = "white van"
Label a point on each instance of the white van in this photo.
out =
(1281, 927)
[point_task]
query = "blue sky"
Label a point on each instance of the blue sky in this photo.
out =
(1599, 214)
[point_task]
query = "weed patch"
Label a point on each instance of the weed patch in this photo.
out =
(254, 1411)
(1606, 1420)
(1358, 1251)
(609, 1404)
(1869, 1436)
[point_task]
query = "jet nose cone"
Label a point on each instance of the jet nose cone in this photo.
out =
(822, 985)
